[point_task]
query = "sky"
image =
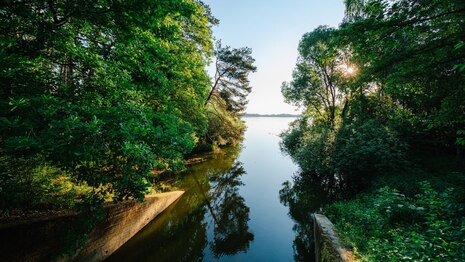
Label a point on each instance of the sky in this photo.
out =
(273, 29)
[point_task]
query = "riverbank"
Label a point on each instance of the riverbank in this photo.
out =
(413, 215)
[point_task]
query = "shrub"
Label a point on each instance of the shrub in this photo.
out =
(35, 184)
(364, 148)
(354, 152)
(224, 127)
(388, 226)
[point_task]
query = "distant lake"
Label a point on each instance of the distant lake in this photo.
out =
(231, 209)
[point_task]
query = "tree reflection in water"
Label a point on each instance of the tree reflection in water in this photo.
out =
(212, 199)
(231, 231)
(304, 196)
(229, 213)
(218, 187)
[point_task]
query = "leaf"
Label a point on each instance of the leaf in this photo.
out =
(459, 45)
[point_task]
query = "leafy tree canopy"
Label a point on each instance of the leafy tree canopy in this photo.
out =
(107, 90)
(231, 82)
(409, 49)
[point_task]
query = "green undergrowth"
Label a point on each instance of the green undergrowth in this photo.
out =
(416, 216)
(224, 129)
(34, 184)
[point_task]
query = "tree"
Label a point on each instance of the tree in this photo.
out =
(317, 79)
(231, 82)
(106, 90)
(407, 47)
(343, 137)
(228, 97)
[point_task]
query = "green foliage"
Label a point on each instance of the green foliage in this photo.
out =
(387, 225)
(231, 81)
(96, 95)
(228, 97)
(33, 184)
(106, 91)
(410, 49)
(318, 82)
(459, 67)
(367, 148)
(461, 140)
(345, 135)
(365, 220)
(407, 92)
(355, 8)
(224, 127)
(354, 152)
(381, 83)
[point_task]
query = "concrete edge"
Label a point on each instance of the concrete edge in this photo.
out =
(326, 233)
(122, 222)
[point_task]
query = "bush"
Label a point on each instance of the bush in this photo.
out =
(354, 152)
(224, 127)
(35, 184)
(366, 148)
(388, 226)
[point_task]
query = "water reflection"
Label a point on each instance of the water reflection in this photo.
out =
(211, 217)
(303, 196)
(231, 209)
(231, 232)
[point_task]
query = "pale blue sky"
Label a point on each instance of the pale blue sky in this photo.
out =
(272, 28)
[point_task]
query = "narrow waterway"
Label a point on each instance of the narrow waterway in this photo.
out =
(231, 209)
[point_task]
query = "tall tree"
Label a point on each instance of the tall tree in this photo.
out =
(231, 82)
(318, 77)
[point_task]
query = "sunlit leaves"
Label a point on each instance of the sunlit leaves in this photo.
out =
(413, 49)
(107, 90)
(318, 82)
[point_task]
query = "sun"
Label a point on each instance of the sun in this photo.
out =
(350, 70)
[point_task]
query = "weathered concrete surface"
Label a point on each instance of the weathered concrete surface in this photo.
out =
(39, 239)
(328, 246)
(122, 222)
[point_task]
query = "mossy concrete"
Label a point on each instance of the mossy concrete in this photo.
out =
(328, 246)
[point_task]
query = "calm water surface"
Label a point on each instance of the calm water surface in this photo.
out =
(231, 209)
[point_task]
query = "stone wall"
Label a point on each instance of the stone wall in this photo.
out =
(328, 246)
(39, 239)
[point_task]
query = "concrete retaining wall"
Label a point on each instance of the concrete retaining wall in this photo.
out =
(328, 246)
(38, 240)
(122, 222)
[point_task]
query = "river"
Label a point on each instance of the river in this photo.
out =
(231, 210)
